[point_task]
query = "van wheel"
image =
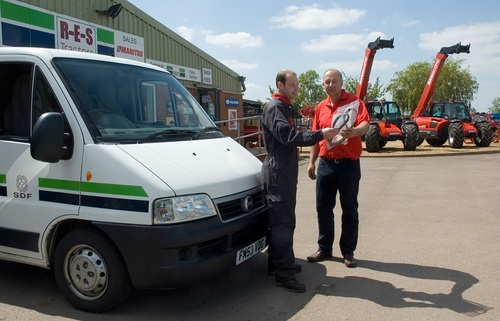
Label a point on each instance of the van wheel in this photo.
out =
(90, 272)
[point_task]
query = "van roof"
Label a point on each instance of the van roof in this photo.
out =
(48, 54)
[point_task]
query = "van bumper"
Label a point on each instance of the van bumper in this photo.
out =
(177, 255)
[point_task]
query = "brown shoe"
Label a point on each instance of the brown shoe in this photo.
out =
(319, 256)
(349, 261)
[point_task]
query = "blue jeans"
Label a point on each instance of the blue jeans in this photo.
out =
(343, 177)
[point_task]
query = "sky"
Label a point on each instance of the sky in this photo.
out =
(258, 38)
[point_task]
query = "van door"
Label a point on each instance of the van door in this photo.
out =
(34, 195)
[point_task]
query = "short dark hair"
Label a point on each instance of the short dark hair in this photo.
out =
(283, 75)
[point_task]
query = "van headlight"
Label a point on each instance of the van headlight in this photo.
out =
(183, 208)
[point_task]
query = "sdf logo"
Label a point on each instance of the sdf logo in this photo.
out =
(22, 187)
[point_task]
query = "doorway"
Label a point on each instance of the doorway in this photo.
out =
(209, 100)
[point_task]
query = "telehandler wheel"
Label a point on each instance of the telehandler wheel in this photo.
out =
(411, 137)
(456, 135)
(90, 271)
(372, 139)
(484, 135)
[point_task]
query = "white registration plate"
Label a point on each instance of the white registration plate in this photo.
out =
(250, 250)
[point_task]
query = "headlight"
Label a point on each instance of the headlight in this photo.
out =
(183, 208)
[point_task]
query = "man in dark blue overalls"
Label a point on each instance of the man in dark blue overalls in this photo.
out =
(280, 172)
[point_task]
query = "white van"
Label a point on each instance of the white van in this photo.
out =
(114, 176)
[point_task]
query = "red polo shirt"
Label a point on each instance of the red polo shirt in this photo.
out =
(323, 119)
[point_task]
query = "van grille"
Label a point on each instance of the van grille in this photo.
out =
(232, 209)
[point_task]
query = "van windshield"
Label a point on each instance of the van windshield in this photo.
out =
(128, 104)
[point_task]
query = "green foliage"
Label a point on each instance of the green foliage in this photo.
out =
(373, 91)
(350, 83)
(495, 105)
(310, 91)
(454, 82)
(271, 91)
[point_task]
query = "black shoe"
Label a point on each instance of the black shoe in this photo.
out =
(298, 268)
(292, 286)
(319, 256)
(349, 261)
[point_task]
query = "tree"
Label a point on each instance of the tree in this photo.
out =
(373, 91)
(495, 106)
(454, 82)
(310, 90)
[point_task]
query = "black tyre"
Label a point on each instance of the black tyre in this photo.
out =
(456, 135)
(484, 135)
(435, 142)
(372, 139)
(90, 271)
(411, 136)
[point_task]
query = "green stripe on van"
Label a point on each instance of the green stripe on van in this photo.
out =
(105, 36)
(100, 188)
(3, 179)
(26, 15)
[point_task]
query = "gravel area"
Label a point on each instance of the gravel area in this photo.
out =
(396, 149)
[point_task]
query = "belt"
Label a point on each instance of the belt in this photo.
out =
(338, 160)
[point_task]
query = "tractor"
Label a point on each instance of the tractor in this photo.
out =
(441, 121)
(386, 122)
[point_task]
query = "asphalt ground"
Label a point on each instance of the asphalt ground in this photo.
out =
(428, 250)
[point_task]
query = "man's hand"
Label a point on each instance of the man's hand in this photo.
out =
(311, 171)
(348, 132)
(329, 133)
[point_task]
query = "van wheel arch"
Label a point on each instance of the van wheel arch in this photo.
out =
(89, 270)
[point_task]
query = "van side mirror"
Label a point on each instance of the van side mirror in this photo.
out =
(48, 138)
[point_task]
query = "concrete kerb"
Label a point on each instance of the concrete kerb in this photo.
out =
(395, 149)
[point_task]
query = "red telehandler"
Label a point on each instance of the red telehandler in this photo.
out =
(386, 121)
(441, 121)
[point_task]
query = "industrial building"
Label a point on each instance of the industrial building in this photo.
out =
(121, 29)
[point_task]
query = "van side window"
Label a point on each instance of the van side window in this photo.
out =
(44, 99)
(15, 100)
(23, 98)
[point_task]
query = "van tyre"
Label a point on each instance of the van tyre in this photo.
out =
(90, 271)
(456, 135)
(484, 135)
(372, 139)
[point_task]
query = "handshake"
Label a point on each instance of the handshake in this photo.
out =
(329, 133)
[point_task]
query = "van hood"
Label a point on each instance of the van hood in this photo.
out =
(218, 167)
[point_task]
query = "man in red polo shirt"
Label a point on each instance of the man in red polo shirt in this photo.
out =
(338, 168)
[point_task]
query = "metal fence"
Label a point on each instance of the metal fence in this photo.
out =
(247, 134)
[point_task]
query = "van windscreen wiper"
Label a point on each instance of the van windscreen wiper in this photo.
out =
(166, 132)
(205, 130)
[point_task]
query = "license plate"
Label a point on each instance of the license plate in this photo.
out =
(250, 250)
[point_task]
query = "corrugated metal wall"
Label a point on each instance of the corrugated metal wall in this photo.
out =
(160, 43)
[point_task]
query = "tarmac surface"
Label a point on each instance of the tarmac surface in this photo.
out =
(428, 250)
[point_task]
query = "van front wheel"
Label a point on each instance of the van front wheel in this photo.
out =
(90, 272)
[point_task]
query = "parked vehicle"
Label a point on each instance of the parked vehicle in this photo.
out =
(387, 124)
(441, 121)
(491, 118)
(386, 121)
(252, 131)
(112, 175)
